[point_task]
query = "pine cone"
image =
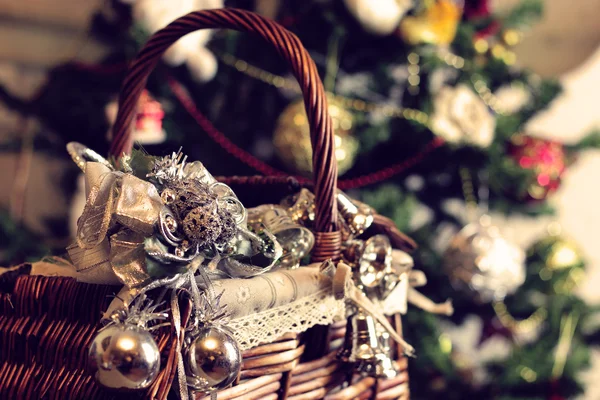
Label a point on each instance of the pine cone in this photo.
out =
(202, 225)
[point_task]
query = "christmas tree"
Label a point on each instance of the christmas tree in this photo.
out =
(429, 110)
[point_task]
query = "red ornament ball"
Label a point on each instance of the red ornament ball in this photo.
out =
(545, 158)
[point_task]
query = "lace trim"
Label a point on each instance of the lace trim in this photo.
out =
(320, 308)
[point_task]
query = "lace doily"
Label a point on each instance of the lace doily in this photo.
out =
(320, 308)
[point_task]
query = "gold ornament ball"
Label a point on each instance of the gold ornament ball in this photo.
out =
(564, 254)
(498, 51)
(509, 58)
(292, 137)
(436, 24)
(562, 261)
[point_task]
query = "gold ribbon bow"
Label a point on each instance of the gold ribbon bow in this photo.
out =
(125, 203)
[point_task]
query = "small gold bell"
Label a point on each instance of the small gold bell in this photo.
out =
(357, 216)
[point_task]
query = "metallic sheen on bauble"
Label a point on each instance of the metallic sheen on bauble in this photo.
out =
(124, 357)
(212, 358)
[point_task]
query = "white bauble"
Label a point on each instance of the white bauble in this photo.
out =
(176, 55)
(202, 64)
(511, 98)
(190, 49)
(379, 17)
(461, 117)
(480, 261)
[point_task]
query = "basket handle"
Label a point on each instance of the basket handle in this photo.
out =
(289, 48)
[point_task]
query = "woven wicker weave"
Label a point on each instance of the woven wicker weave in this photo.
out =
(47, 324)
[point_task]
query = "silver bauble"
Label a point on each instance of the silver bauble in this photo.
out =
(213, 358)
(481, 261)
(124, 357)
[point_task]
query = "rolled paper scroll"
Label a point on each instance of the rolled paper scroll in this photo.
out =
(243, 297)
(260, 309)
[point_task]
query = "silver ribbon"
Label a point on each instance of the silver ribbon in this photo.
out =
(253, 255)
(118, 199)
(181, 378)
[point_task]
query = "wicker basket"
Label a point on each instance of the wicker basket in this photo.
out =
(45, 334)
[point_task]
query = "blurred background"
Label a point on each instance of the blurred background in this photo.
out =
(61, 63)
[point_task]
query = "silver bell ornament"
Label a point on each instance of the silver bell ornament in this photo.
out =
(124, 357)
(212, 358)
(357, 216)
(363, 347)
(482, 262)
(385, 366)
(375, 262)
(360, 342)
(295, 240)
(380, 366)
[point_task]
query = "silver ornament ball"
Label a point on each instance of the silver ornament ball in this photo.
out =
(213, 358)
(481, 261)
(124, 357)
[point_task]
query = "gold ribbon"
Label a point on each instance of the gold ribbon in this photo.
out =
(93, 265)
(115, 199)
(120, 202)
(128, 258)
(138, 205)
